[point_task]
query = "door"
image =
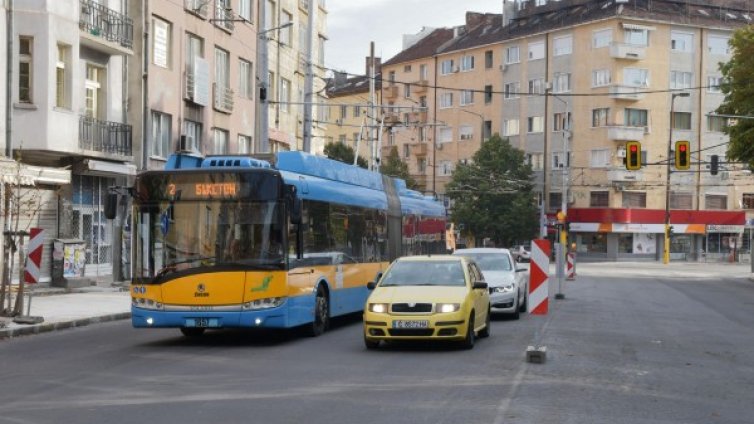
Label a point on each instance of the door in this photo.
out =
(90, 225)
(480, 300)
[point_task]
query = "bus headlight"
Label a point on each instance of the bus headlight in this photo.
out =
(150, 304)
(266, 303)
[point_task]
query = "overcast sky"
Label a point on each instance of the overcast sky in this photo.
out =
(352, 24)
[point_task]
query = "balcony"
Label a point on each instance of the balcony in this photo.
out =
(104, 28)
(223, 98)
(392, 118)
(420, 117)
(627, 92)
(385, 151)
(624, 175)
(197, 7)
(623, 133)
(223, 17)
(420, 87)
(390, 92)
(627, 51)
(419, 149)
(104, 136)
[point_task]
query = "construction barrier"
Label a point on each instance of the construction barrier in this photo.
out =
(34, 255)
(570, 266)
(539, 270)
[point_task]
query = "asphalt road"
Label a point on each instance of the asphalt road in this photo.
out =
(620, 349)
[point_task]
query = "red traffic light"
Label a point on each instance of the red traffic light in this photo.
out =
(634, 148)
(682, 147)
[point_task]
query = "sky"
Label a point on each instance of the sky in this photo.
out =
(353, 24)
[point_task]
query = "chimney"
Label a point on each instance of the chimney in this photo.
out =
(473, 19)
(340, 79)
(377, 65)
(509, 12)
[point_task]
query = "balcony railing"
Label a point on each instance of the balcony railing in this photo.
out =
(223, 98)
(419, 149)
(390, 92)
(197, 7)
(103, 22)
(223, 17)
(627, 51)
(627, 92)
(104, 136)
(622, 133)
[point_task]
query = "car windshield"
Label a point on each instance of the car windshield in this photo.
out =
(491, 261)
(424, 273)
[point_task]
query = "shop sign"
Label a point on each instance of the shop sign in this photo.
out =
(715, 228)
(639, 228)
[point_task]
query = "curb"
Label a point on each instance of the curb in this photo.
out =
(8, 333)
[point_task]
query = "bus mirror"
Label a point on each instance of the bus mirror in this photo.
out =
(296, 211)
(111, 205)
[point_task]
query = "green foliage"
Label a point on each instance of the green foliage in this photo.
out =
(493, 196)
(395, 167)
(738, 74)
(344, 153)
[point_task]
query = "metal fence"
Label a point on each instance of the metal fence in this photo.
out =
(101, 21)
(105, 136)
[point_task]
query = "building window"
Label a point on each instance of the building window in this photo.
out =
(161, 41)
(681, 41)
(563, 45)
(487, 94)
(407, 90)
(466, 132)
(512, 55)
(220, 145)
(559, 160)
(446, 67)
(161, 127)
(636, 37)
(193, 132)
(423, 72)
(747, 202)
(537, 86)
(510, 127)
(245, 79)
(600, 117)
(286, 34)
(537, 50)
(535, 160)
(61, 77)
(93, 96)
(244, 144)
(682, 120)
(680, 79)
(285, 95)
(25, 52)
(194, 50)
(601, 78)
(244, 9)
(512, 90)
(556, 201)
(562, 83)
(321, 49)
(716, 201)
(356, 111)
(634, 199)
(561, 121)
(602, 38)
(445, 135)
(342, 139)
(421, 164)
(535, 124)
(718, 44)
(446, 100)
(488, 63)
(423, 101)
(467, 63)
(716, 123)
(599, 199)
(446, 168)
(467, 97)
(635, 118)
(713, 84)
(269, 15)
(636, 77)
(680, 200)
(406, 68)
(406, 151)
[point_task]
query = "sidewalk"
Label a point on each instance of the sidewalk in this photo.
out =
(61, 308)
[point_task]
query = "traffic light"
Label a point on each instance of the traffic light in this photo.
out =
(633, 155)
(682, 155)
(714, 164)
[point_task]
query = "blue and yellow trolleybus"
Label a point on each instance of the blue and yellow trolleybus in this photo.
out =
(231, 241)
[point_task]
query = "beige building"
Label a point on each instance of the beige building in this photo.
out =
(569, 83)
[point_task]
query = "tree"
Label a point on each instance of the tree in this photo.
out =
(344, 153)
(739, 95)
(395, 167)
(493, 196)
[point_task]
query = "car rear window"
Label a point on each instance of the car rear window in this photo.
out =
(424, 273)
(491, 261)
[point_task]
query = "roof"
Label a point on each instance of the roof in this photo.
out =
(489, 31)
(426, 47)
(480, 250)
(424, 258)
(354, 85)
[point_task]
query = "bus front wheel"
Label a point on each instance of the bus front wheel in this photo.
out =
(321, 314)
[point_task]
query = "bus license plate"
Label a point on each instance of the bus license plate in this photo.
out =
(202, 322)
(411, 324)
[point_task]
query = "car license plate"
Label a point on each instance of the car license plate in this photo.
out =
(202, 322)
(411, 324)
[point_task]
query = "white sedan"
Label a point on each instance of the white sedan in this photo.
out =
(508, 284)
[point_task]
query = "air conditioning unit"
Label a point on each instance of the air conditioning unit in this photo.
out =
(466, 136)
(185, 143)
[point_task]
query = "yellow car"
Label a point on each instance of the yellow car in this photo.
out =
(438, 297)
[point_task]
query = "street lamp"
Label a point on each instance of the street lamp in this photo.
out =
(263, 140)
(481, 128)
(666, 242)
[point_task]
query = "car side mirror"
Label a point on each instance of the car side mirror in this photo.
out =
(371, 285)
(481, 285)
(111, 205)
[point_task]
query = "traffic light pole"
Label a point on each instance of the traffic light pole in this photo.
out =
(666, 242)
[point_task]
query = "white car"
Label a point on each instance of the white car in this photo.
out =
(508, 284)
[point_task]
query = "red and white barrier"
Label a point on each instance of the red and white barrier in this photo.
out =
(570, 266)
(34, 255)
(539, 271)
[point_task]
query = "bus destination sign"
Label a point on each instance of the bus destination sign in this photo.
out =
(204, 190)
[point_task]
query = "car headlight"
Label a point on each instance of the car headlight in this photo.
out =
(447, 307)
(503, 289)
(379, 308)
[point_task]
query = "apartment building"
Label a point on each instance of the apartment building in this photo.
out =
(287, 65)
(69, 125)
(349, 117)
(571, 82)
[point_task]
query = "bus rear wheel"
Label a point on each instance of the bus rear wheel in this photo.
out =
(321, 314)
(192, 331)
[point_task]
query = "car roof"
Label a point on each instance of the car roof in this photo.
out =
(480, 250)
(425, 258)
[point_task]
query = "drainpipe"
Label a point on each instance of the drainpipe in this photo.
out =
(145, 86)
(8, 133)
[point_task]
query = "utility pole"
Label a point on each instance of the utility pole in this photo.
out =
(372, 109)
(309, 83)
(7, 258)
(263, 73)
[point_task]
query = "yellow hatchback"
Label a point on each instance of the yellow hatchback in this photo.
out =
(439, 297)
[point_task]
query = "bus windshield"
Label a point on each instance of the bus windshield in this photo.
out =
(174, 236)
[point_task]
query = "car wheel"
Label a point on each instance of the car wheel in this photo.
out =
(371, 344)
(192, 331)
(468, 342)
(321, 314)
(522, 308)
(516, 314)
(486, 332)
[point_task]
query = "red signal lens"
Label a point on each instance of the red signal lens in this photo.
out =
(634, 148)
(682, 147)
